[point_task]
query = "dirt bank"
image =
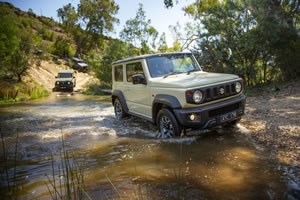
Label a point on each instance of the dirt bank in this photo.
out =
(46, 72)
(273, 119)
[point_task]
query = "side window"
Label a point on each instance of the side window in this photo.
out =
(119, 73)
(133, 69)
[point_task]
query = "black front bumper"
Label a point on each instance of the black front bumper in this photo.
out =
(64, 86)
(210, 115)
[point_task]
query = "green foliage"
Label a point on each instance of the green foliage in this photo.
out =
(96, 17)
(48, 35)
(139, 32)
(48, 22)
(15, 45)
(10, 92)
(162, 44)
(30, 12)
(62, 47)
(68, 16)
(9, 44)
(116, 50)
(169, 3)
(257, 40)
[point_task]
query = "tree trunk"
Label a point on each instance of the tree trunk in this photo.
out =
(19, 77)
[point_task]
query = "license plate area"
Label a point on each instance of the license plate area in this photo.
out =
(227, 117)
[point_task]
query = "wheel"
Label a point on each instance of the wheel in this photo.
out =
(119, 111)
(167, 124)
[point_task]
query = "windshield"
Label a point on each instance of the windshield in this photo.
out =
(64, 75)
(171, 64)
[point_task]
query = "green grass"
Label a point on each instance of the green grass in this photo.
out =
(95, 89)
(16, 92)
(67, 182)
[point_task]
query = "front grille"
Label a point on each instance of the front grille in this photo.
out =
(63, 83)
(223, 110)
(213, 93)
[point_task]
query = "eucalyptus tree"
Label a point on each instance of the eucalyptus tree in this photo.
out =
(251, 38)
(139, 32)
(91, 20)
(162, 44)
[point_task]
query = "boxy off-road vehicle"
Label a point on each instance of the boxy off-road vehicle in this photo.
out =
(65, 80)
(172, 91)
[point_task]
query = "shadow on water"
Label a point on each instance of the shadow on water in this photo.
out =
(215, 164)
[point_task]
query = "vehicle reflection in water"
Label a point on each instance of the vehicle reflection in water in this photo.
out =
(216, 164)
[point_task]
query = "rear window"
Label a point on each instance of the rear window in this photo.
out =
(119, 73)
(133, 69)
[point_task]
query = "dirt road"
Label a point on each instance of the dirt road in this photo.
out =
(273, 119)
(46, 72)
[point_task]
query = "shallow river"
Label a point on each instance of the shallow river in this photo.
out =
(124, 160)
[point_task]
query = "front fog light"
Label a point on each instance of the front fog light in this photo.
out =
(192, 117)
(238, 87)
(197, 96)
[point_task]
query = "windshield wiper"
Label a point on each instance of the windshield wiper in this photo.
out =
(172, 73)
(194, 70)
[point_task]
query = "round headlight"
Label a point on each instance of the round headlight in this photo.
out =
(197, 96)
(238, 87)
(57, 83)
(69, 83)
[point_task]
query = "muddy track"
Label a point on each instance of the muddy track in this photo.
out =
(46, 72)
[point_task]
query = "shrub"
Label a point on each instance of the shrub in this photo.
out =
(62, 47)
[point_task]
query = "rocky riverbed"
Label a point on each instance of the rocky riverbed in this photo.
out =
(273, 118)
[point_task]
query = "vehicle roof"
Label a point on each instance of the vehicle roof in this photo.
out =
(66, 71)
(82, 64)
(77, 59)
(147, 56)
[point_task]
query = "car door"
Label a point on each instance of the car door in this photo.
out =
(137, 95)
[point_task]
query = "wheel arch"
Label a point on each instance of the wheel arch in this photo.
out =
(163, 101)
(119, 94)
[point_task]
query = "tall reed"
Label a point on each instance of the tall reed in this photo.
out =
(69, 182)
(9, 189)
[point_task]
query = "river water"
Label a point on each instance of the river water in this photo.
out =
(125, 160)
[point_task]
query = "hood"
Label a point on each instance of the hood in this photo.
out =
(194, 79)
(63, 79)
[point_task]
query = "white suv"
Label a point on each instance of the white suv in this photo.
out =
(172, 91)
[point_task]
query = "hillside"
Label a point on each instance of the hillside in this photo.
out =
(45, 56)
(46, 72)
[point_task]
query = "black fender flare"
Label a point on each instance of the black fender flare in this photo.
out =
(119, 94)
(164, 99)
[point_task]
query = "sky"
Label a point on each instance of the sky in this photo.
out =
(155, 10)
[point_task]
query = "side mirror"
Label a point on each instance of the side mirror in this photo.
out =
(55, 76)
(138, 79)
(73, 76)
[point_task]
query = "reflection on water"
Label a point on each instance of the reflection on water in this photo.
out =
(216, 164)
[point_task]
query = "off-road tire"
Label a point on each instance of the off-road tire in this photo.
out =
(167, 124)
(119, 110)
